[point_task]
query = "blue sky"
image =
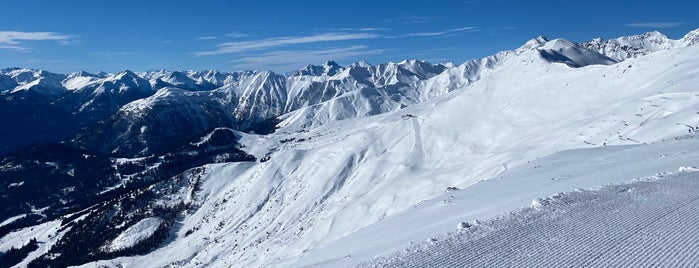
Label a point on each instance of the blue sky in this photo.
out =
(67, 36)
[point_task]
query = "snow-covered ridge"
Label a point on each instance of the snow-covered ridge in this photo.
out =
(637, 45)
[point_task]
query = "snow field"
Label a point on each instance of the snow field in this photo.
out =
(134, 234)
(47, 234)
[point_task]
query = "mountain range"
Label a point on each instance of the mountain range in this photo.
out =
(54, 107)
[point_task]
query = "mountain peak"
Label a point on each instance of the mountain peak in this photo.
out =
(331, 64)
(82, 74)
(558, 44)
(362, 63)
(690, 38)
(573, 54)
(328, 68)
(654, 34)
(534, 43)
(412, 62)
(126, 73)
(542, 39)
(331, 68)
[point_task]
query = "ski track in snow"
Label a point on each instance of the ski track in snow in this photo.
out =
(417, 156)
(644, 223)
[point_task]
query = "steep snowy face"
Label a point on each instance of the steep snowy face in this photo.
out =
(263, 96)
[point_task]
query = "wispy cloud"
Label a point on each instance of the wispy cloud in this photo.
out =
(287, 60)
(236, 35)
(368, 29)
(411, 19)
(207, 37)
(13, 40)
(237, 47)
(449, 32)
(654, 24)
(14, 47)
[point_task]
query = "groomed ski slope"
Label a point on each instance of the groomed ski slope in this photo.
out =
(641, 224)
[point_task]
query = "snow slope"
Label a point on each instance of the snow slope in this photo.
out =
(320, 187)
(134, 234)
(46, 234)
(514, 189)
(639, 224)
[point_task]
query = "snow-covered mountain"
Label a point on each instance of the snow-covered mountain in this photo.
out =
(158, 123)
(95, 97)
(637, 45)
(356, 149)
(39, 83)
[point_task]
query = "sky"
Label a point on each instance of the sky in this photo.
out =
(87, 35)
